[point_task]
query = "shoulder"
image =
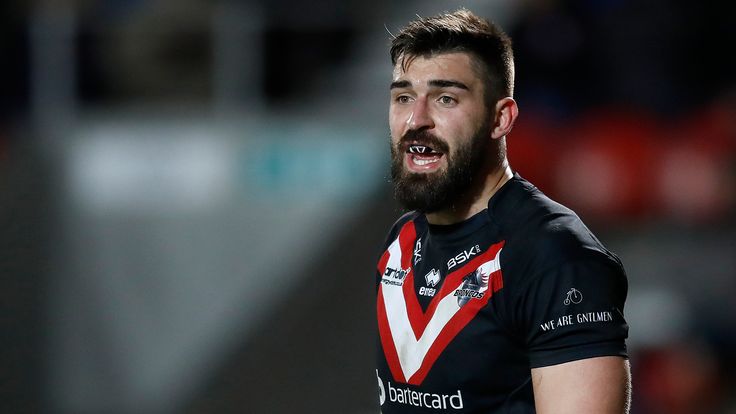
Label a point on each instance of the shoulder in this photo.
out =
(399, 224)
(542, 235)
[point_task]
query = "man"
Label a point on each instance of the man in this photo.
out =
(491, 298)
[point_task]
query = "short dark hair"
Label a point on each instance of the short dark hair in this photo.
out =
(460, 31)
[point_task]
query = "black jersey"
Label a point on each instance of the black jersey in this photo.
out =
(466, 310)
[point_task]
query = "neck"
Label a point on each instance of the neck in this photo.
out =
(476, 199)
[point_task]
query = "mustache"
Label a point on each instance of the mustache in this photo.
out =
(423, 137)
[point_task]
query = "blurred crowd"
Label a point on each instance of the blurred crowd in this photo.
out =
(628, 114)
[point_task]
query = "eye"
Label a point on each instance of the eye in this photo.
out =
(403, 99)
(447, 100)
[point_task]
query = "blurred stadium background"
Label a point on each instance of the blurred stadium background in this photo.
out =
(193, 193)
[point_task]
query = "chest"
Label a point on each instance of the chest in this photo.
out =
(436, 322)
(433, 261)
(426, 282)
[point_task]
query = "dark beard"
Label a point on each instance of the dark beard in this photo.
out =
(431, 192)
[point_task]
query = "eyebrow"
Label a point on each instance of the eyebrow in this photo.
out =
(400, 84)
(438, 83)
(441, 83)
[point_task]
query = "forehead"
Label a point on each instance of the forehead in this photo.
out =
(455, 65)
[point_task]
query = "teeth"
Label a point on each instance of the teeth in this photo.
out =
(419, 161)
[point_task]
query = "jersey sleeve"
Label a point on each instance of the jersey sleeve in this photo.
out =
(574, 311)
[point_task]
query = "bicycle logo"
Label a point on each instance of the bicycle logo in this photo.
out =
(573, 296)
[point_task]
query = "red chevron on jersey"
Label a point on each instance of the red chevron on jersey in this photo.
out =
(412, 339)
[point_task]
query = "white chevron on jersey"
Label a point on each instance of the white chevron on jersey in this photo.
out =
(411, 350)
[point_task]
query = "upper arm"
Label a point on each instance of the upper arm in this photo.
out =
(599, 385)
(574, 311)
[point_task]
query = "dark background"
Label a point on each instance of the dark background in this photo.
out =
(193, 193)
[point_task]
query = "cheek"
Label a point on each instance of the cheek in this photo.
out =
(451, 129)
(458, 125)
(396, 123)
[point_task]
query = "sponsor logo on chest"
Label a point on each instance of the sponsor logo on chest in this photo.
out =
(403, 394)
(463, 257)
(394, 276)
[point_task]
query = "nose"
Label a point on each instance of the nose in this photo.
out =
(420, 118)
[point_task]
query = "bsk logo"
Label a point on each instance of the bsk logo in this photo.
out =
(418, 251)
(432, 278)
(463, 257)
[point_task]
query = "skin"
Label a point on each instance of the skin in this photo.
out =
(444, 94)
(594, 385)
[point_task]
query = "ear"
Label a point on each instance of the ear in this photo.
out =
(504, 117)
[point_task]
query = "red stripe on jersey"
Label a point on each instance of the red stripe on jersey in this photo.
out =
(452, 282)
(496, 283)
(382, 264)
(409, 310)
(453, 327)
(406, 237)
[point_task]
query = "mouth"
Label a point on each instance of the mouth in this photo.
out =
(423, 158)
